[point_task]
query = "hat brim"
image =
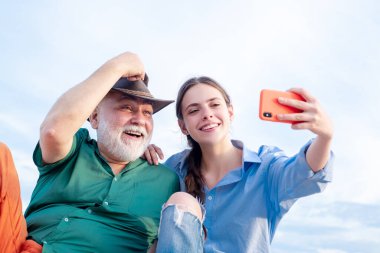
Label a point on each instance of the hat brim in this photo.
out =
(157, 104)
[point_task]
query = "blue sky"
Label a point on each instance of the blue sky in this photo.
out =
(331, 48)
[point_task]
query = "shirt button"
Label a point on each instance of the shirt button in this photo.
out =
(44, 242)
(106, 203)
(115, 178)
(209, 197)
(89, 211)
(66, 219)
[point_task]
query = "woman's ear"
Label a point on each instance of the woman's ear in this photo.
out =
(182, 126)
(231, 112)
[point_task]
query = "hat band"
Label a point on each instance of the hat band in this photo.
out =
(137, 93)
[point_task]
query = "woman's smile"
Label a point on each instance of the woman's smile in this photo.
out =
(209, 127)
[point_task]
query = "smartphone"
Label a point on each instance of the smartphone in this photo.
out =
(270, 107)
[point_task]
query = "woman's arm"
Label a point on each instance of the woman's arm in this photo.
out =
(152, 154)
(315, 119)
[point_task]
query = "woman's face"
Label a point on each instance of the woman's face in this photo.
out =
(206, 116)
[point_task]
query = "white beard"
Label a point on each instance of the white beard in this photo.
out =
(121, 149)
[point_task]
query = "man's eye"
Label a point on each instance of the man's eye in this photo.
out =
(148, 113)
(127, 107)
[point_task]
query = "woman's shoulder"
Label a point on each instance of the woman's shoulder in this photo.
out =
(177, 158)
(267, 149)
(177, 162)
(263, 150)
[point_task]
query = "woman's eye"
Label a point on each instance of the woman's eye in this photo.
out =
(193, 111)
(215, 105)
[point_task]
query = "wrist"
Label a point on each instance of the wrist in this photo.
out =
(326, 138)
(114, 66)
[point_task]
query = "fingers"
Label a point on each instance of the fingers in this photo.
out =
(307, 125)
(158, 151)
(317, 122)
(308, 104)
(136, 77)
(302, 105)
(296, 117)
(304, 93)
(147, 156)
(312, 116)
(130, 65)
(301, 126)
(153, 154)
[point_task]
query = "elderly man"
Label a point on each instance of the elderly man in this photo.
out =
(99, 196)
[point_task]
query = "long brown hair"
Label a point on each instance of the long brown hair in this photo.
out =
(194, 180)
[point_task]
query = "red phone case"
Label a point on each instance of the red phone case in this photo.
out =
(270, 107)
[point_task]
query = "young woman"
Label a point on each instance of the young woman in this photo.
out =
(244, 194)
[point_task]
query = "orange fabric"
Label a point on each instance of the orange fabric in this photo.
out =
(12, 222)
(30, 246)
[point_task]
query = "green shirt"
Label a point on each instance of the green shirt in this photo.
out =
(79, 205)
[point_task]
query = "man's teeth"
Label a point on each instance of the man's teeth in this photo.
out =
(138, 134)
(209, 126)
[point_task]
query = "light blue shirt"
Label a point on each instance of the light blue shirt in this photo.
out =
(245, 207)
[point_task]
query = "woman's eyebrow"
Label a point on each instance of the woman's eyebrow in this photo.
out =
(208, 100)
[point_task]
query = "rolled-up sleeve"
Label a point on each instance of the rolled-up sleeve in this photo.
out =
(290, 178)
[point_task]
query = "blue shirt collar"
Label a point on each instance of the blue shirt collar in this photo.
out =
(249, 157)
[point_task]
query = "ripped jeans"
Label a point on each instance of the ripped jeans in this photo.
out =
(179, 231)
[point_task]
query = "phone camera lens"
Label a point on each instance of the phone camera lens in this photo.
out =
(267, 114)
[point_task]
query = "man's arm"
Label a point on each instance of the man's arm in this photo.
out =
(72, 109)
(317, 121)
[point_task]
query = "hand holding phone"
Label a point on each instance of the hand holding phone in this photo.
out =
(270, 107)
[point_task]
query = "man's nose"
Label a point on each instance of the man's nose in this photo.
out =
(138, 118)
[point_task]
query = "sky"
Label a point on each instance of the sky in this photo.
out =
(329, 47)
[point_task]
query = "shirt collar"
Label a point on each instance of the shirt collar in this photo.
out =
(249, 157)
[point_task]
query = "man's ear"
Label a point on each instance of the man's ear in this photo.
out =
(94, 119)
(182, 126)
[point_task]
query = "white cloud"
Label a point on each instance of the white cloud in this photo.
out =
(331, 251)
(13, 122)
(27, 173)
(316, 225)
(356, 166)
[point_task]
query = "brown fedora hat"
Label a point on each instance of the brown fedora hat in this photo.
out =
(139, 89)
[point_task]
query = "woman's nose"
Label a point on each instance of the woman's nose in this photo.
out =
(207, 114)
